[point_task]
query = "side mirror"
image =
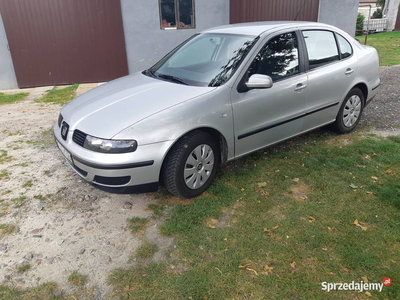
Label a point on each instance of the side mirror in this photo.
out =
(258, 81)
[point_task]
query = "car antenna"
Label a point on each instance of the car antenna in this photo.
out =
(304, 2)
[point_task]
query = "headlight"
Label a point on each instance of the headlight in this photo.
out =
(109, 146)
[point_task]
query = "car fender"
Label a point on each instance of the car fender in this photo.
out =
(212, 110)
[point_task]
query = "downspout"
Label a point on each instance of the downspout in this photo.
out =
(369, 17)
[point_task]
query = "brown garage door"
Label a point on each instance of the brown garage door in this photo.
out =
(65, 41)
(273, 10)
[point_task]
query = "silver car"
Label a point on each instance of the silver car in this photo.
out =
(221, 94)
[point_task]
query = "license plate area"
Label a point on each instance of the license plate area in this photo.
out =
(65, 152)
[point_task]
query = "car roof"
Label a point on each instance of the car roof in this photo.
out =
(257, 28)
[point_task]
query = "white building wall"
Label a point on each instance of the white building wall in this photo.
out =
(339, 13)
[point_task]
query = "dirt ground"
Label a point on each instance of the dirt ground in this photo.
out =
(62, 224)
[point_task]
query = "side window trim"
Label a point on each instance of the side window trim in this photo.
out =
(303, 60)
(298, 52)
(338, 45)
(303, 54)
(306, 51)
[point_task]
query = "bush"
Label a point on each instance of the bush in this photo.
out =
(377, 14)
(360, 22)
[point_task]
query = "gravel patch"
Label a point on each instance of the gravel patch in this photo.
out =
(62, 223)
(383, 113)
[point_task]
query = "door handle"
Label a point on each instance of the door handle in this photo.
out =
(300, 87)
(349, 71)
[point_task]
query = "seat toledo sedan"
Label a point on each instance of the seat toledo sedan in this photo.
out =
(221, 94)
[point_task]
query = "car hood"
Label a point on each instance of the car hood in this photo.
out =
(110, 108)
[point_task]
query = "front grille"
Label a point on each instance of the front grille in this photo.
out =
(60, 119)
(112, 180)
(79, 137)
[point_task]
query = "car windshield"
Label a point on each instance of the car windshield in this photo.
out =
(204, 60)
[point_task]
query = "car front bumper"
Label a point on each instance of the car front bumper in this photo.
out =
(138, 171)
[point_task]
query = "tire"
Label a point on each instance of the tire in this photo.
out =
(191, 164)
(350, 112)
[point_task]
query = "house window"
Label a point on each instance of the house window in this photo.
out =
(177, 14)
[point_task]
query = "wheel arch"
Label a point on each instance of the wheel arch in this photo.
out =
(364, 89)
(218, 136)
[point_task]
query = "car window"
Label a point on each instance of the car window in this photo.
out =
(345, 47)
(208, 59)
(321, 47)
(201, 52)
(278, 58)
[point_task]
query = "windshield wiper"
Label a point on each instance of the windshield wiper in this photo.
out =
(172, 78)
(150, 72)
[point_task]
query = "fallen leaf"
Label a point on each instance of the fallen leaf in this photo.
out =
(242, 189)
(353, 186)
(389, 172)
(368, 294)
(367, 156)
(268, 269)
(331, 273)
(252, 270)
(345, 270)
(244, 266)
(276, 227)
(374, 177)
(311, 219)
(324, 249)
(212, 223)
(370, 193)
(376, 154)
(263, 193)
(277, 171)
(262, 184)
(359, 225)
(296, 179)
(293, 265)
(330, 228)
(365, 278)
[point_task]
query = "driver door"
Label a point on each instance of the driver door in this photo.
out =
(267, 115)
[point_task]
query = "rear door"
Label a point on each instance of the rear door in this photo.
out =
(265, 116)
(332, 69)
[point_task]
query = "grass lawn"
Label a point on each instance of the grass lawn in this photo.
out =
(388, 46)
(276, 224)
(8, 99)
(59, 95)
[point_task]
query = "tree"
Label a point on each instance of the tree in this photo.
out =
(380, 3)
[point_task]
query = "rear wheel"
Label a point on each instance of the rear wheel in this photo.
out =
(350, 112)
(191, 164)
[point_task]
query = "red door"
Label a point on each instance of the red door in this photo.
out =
(397, 26)
(56, 42)
(273, 10)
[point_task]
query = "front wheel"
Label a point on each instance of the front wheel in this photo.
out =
(191, 165)
(350, 112)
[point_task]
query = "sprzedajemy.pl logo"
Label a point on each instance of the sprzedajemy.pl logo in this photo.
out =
(356, 286)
